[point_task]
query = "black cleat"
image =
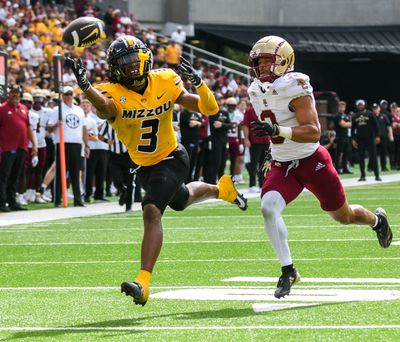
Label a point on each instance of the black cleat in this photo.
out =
(382, 229)
(241, 201)
(136, 291)
(285, 283)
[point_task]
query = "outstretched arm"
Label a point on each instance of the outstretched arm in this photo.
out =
(105, 107)
(204, 102)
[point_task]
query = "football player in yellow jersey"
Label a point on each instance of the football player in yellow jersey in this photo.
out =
(138, 102)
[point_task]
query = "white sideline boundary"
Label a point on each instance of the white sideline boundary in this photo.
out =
(43, 215)
(249, 327)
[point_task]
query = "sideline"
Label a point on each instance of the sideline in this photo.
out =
(43, 215)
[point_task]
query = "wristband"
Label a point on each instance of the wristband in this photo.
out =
(285, 132)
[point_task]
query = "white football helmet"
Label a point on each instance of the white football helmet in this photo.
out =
(277, 48)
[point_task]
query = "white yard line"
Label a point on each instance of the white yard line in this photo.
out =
(202, 328)
(175, 242)
(318, 280)
(234, 287)
(28, 229)
(172, 261)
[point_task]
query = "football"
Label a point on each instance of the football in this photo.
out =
(84, 31)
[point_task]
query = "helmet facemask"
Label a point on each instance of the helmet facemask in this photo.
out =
(279, 51)
(130, 61)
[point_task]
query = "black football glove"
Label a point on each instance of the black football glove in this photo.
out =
(262, 129)
(80, 72)
(189, 72)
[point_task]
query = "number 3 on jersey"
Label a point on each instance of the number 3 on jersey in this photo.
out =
(270, 114)
(149, 133)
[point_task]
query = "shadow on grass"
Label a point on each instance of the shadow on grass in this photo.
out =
(138, 323)
(134, 322)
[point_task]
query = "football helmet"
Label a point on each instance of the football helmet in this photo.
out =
(129, 61)
(282, 55)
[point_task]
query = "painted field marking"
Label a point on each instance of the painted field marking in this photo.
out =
(175, 242)
(117, 288)
(397, 243)
(248, 327)
(297, 295)
(317, 280)
(259, 227)
(171, 261)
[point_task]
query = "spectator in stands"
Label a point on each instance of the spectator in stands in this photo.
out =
(179, 36)
(108, 21)
(173, 54)
(75, 133)
(15, 130)
(364, 132)
(343, 137)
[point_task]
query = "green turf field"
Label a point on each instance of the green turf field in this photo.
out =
(60, 280)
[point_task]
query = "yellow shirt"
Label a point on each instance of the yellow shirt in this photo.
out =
(173, 54)
(144, 122)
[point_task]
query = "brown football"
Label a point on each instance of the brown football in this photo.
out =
(84, 31)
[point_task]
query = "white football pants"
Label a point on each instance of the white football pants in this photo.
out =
(272, 205)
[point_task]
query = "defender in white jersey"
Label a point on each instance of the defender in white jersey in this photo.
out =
(284, 103)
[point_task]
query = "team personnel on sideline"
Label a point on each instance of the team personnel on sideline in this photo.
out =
(284, 103)
(75, 134)
(15, 130)
(138, 102)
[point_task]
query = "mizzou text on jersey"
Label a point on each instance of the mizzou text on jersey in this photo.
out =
(144, 122)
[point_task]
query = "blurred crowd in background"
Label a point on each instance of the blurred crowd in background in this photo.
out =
(31, 35)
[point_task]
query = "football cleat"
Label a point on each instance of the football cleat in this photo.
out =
(285, 283)
(227, 192)
(382, 229)
(135, 290)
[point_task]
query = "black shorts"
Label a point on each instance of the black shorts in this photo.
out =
(164, 182)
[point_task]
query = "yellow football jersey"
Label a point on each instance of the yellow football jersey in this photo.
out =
(144, 122)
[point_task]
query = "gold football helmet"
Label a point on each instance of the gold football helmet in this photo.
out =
(277, 48)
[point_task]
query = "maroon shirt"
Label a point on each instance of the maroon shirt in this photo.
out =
(14, 122)
(249, 116)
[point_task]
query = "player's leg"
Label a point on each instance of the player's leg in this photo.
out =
(326, 185)
(357, 214)
(225, 190)
(161, 182)
(279, 190)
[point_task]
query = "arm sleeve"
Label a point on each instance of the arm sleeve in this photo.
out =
(207, 103)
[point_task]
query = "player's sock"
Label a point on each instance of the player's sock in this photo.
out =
(272, 207)
(143, 278)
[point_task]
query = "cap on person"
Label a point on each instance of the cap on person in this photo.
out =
(219, 96)
(68, 89)
(231, 101)
(374, 105)
(383, 102)
(27, 97)
(360, 102)
(179, 27)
